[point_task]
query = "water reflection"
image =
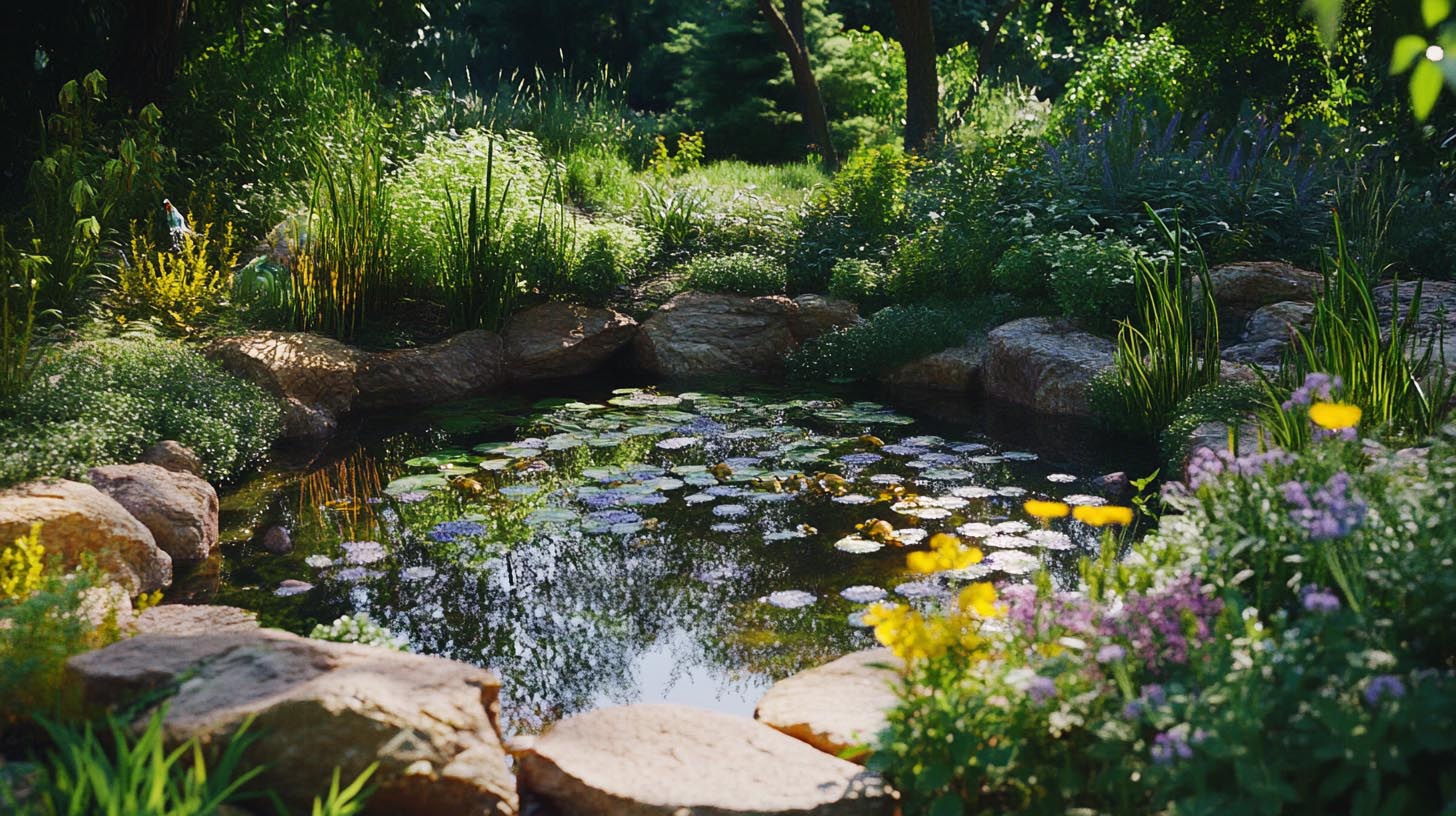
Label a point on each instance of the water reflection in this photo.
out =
(601, 554)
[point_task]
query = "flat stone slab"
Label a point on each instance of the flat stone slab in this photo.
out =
(837, 706)
(671, 760)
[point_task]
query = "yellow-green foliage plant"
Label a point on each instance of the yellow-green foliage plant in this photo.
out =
(19, 291)
(21, 566)
(178, 288)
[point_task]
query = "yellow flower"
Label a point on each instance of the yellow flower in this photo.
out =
(945, 553)
(1102, 516)
(1335, 416)
(979, 598)
(1046, 509)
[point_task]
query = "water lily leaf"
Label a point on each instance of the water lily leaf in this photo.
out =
(789, 599)
(444, 457)
(495, 464)
(863, 593)
(552, 515)
(423, 481)
(858, 545)
(947, 474)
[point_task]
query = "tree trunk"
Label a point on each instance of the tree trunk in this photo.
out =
(149, 49)
(796, 48)
(922, 86)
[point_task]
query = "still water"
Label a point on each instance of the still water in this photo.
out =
(616, 545)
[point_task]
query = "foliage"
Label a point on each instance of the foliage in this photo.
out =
(859, 214)
(1170, 349)
(892, 337)
(477, 276)
(179, 288)
(864, 283)
(687, 157)
(861, 74)
(1396, 376)
(1149, 73)
(568, 112)
(19, 290)
(1231, 403)
(1425, 59)
(672, 216)
(359, 628)
(742, 273)
(598, 179)
(1088, 277)
(41, 628)
(342, 270)
(105, 401)
(94, 174)
(611, 254)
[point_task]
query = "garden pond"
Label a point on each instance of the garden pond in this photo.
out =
(641, 544)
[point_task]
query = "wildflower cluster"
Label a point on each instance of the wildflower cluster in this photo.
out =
(1207, 465)
(913, 635)
(21, 566)
(359, 628)
(1328, 512)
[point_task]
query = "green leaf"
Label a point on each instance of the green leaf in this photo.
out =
(1435, 11)
(1407, 50)
(1425, 87)
(947, 804)
(1327, 15)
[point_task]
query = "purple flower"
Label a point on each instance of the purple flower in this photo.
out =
(1111, 653)
(1322, 601)
(1154, 694)
(1040, 689)
(1170, 746)
(1332, 512)
(447, 531)
(1317, 385)
(1206, 465)
(1134, 709)
(1383, 686)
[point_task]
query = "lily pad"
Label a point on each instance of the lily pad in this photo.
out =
(858, 545)
(423, 481)
(789, 599)
(863, 593)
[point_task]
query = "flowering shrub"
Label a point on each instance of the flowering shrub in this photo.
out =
(359, 628)
(1281, 644)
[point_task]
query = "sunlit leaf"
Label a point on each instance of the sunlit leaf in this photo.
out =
(1408, 49)
(1435, 11)
(1425, 87)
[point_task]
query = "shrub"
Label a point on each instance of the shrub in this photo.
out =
(859, 214)
(1092, 278)
(1149, 72)
(610, 257)
(860, 281)
(892, 337)
(22, 564)
(742, 273)
(1230, 403)
(599, 179)
(105, 401)
(179, 288)
(687, 157)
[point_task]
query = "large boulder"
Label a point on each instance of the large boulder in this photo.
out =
(427, 721)
(954, 369)
(697, 334)
(557, 340)
(817, 314)
(179, 509)
(1278, 321)
(173, 456)
(466, 364)
(837, 706)
(76, 520)
(313, 375)
(1044, 364)
(665, 760)
(1241, 288)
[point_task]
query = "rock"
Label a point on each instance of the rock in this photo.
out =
(1044, 364)
(313, 375)
(558, 340)
(1117, 483)
(665, 760)
(1265, 353)
(836, 706)
(185, 620)
(955, 369)
(427, 721)
(1438, 304)
(466, 364)
(276, 540)
(173, 456)
(77, 519)
(1241, 288)
(818, 315)
(1277, 321)
(179, 509)
(697, 334)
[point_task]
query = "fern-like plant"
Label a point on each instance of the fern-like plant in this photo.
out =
(178, 288)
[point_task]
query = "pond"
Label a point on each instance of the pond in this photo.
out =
(644, 544)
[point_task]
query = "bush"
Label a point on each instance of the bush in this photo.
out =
(599, 179)
(611, 256)
(359, 629)
(742, 273)
(1149, 72)
(859, 214)
(892, 337)
(102, 402)
(861, 282)
(182, 288)
(1092, 278)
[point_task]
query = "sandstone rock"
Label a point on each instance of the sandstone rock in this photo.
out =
(466, 364)
(697, 334)
(276, 540)
(666, 760)
(1241, 288)
(428, 722)
(179, 509)
(1277, 321)
(955, 369)
(835, 706)
(173, 456)
(818, 315)
(77, 519)
(556, 340)
(185, 620)
(1044, 364)
(1265, 353)
(314, 375)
